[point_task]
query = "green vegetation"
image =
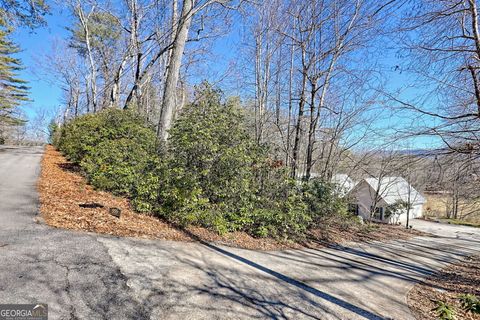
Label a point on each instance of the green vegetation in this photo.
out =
(470, 303)
(13, 89)
(211, 156)
(54, 133)
(212, 172)
(104, 28)
(113, 147)
(25, 13)
(397, 208)
(444, 311)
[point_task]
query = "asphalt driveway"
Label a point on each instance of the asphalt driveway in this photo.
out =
(87, 276)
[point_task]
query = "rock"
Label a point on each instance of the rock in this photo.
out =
(116, 212)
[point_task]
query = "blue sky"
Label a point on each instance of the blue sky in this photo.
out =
(44, 95)
(34, 43)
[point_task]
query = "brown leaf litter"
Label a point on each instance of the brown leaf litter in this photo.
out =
(460, 278)
(67, 201)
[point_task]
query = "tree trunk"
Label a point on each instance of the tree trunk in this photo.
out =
(136, 52)
(170, 90)
(114, 92)
(183, 98)
(76, 102)
(278, 87)
(455, 205)
(290, 102)
(298, 128)
(260, 89)
(311, 131)
(408, 206)
(93, 70)
(87, 92)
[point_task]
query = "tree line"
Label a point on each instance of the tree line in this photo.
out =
(309, 71)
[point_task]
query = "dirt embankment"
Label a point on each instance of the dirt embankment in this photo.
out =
(67, 201)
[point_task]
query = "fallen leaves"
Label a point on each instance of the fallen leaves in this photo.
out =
(331, 231)
(67, 201)
(447, 285)
(64, 194)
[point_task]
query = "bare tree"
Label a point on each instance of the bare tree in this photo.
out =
(84, 18)
(443, 44)
(190, 9)
(317, 38)
(170, 91)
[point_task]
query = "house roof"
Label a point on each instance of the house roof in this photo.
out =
(393, 189)
(343, 181)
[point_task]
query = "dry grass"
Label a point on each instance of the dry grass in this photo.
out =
(447, 285)
(67, 201)
(437, 206)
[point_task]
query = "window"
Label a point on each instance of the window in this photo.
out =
(353, 208)
(377, 212)
(391, 210)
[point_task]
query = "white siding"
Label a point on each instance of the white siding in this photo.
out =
(364, 196)
(415, 212)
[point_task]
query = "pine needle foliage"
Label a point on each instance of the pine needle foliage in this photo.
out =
(13, 89)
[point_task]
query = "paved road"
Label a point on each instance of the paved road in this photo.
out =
(72, 272)
(86, 276)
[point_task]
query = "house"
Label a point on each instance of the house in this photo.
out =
(343, 183)
(387, 200)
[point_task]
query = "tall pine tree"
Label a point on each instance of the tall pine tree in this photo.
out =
(26, 13)
(13, 90)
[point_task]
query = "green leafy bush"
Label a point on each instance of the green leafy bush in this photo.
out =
(444, 311)
(322, 200)
(287, 219)
(220, 178)
(54, 133)
(470, 303)
(146, 190)
(210, 162)
(209, 143)
(80, 136)
(181, 198)
(116, 149)
(116, 165)
(212, 173)
(279, 210)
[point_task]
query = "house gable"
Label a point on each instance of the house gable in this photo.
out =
(364, 193)
(394, 189)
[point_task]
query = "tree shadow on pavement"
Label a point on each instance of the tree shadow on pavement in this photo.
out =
(298, 284)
